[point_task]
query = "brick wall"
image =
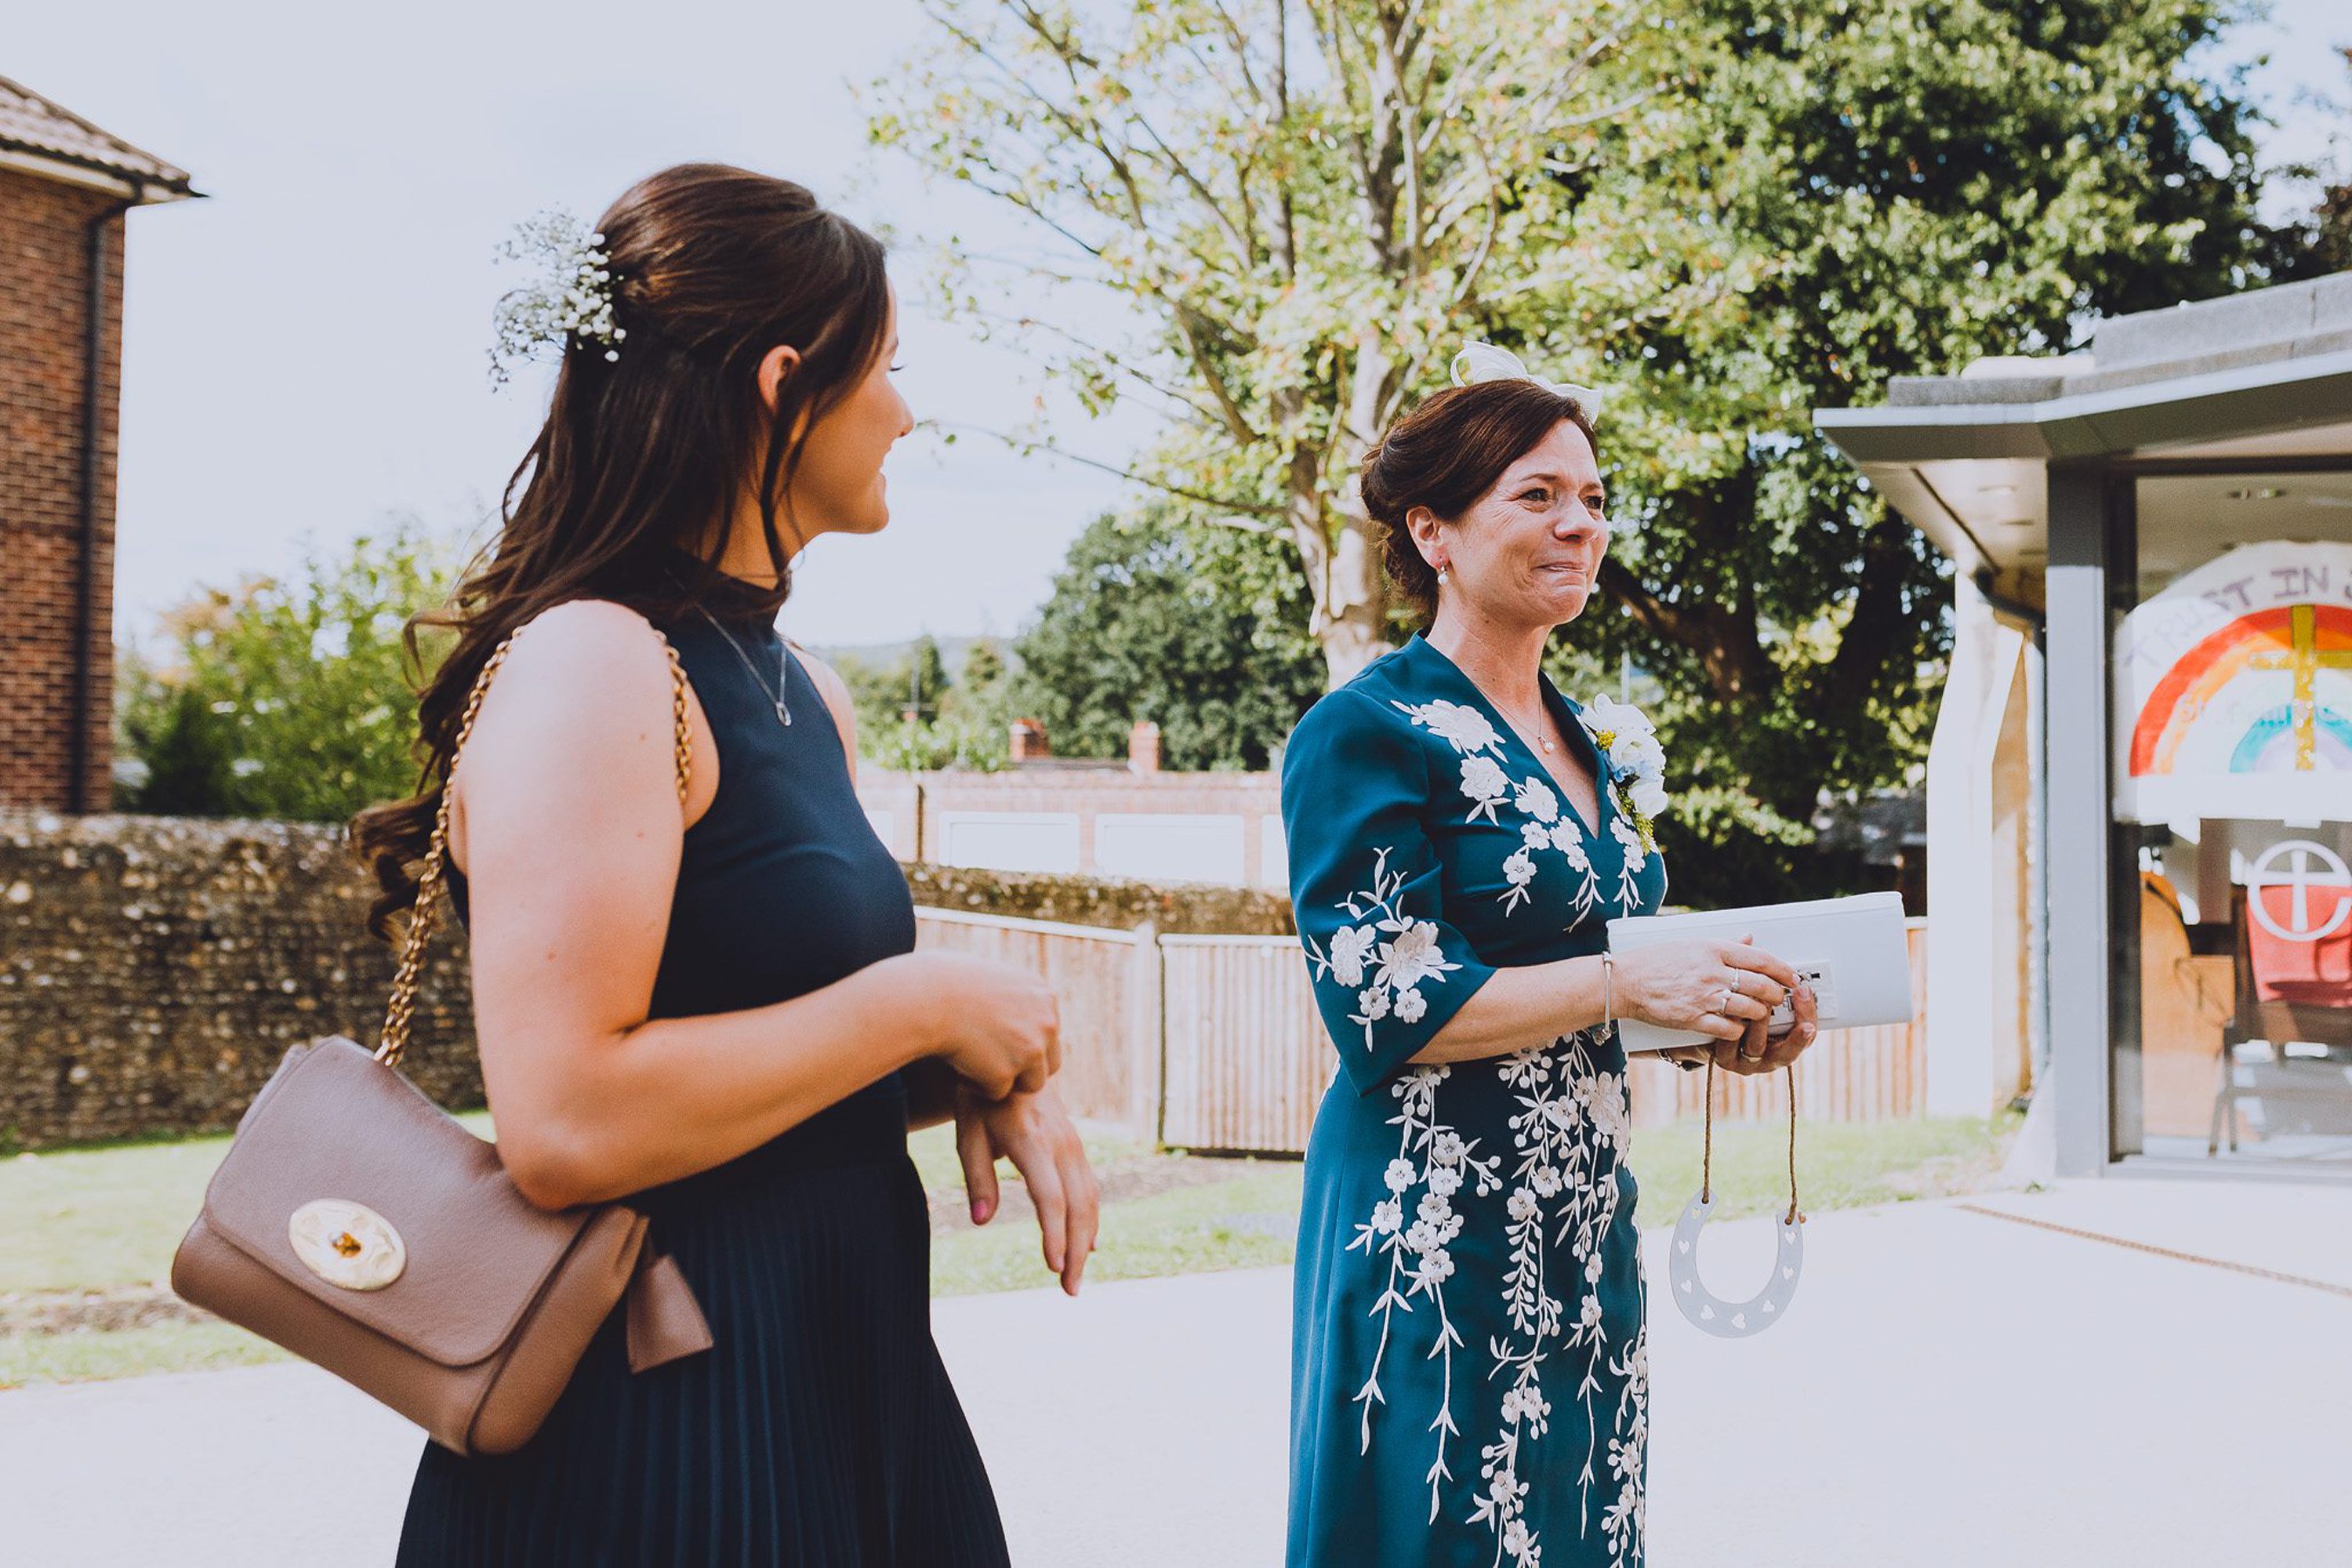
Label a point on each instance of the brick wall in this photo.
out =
(155, 969)
(43, 289)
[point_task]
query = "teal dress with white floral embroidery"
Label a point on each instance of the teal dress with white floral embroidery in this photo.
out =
(1469, 1372)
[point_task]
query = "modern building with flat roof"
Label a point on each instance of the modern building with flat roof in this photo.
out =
(2139, 793)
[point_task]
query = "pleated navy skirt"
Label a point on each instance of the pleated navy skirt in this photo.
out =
(819, 1429)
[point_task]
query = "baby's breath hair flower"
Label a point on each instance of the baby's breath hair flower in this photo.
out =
(569, 304)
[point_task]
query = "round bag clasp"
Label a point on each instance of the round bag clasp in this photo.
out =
(347, 1244)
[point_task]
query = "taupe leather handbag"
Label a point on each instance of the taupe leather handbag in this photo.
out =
(361, 1226)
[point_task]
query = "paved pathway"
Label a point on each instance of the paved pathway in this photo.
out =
(1951, 1389)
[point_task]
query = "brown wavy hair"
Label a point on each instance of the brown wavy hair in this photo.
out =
(647, 454)
(1447, 453)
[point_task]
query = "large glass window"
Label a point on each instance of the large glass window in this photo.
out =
(2232, 770)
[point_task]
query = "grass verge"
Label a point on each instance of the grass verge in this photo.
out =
(107, 1220)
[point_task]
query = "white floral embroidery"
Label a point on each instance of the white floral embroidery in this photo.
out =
(1633, 761)
(1622, 1522)
(1563, 834)
(1419, 1260)
(1537, 800)
(1410, 956)
(1628, 867)
(1349, 944)
(1483, 781)
(1465, 728)
(1518, 871)
(1550, 828)
(1560, 1095)
(1568, 838)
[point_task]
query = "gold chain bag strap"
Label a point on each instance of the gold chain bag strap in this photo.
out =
(358, 1226)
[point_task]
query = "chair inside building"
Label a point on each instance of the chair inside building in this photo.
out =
(2286, 1050)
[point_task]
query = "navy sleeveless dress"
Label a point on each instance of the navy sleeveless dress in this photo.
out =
(820, 1428)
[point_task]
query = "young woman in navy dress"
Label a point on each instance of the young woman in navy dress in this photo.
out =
(1470, 1370)
(713, 1008)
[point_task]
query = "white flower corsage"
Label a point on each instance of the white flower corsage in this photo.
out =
(1637, 763)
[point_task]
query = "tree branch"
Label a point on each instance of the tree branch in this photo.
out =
(1025, 446)
(1110, 356)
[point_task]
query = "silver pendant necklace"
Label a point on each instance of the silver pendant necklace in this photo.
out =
(1532, 732)
(774, 694)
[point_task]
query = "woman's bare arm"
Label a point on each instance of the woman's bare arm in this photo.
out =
(1518, 1008)
(572, 837)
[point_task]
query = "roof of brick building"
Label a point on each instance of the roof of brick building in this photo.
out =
(36, 128)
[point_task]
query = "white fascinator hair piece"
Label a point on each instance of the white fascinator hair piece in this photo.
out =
(1485, 361)
(570, 302)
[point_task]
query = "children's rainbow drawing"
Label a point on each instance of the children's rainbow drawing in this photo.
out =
(2303, 734)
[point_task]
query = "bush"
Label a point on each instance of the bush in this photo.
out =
(287, 697)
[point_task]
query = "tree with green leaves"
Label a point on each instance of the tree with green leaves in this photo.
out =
(288, 697)
(984, 666)
(1918, 183)
(962, 721)
(927, 679)
(1299, 205)
(2319, 241)
(1152, 618)
(1724, 213)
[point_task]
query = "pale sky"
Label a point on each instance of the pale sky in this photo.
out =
(305, 349)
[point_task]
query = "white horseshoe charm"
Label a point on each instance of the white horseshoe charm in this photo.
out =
(1732, 1319)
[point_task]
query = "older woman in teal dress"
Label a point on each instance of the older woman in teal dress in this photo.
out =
(1470, 1370)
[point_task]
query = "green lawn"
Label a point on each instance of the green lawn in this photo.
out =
(86, 1218)
(1245, 1220)
(108, 1219)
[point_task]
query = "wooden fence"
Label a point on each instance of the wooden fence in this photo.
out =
(1214, 1042)
(1105, 983)
(1247, 1058)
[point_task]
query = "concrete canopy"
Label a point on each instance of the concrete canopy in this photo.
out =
(2263, 379)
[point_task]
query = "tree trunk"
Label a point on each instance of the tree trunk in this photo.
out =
(1353, 623)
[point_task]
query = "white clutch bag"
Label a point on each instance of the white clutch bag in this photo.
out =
(1852, 949)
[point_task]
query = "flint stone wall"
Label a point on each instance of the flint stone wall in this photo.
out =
(154, 970)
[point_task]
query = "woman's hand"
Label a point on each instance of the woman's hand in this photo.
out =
(1036, 1135)
(998, 1027)
(1715, 988)
(1761, 1048)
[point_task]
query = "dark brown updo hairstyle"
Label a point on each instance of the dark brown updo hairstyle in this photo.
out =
(646, 454)
(1446, 454)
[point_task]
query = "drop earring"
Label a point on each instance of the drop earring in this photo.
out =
(1445, 573)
